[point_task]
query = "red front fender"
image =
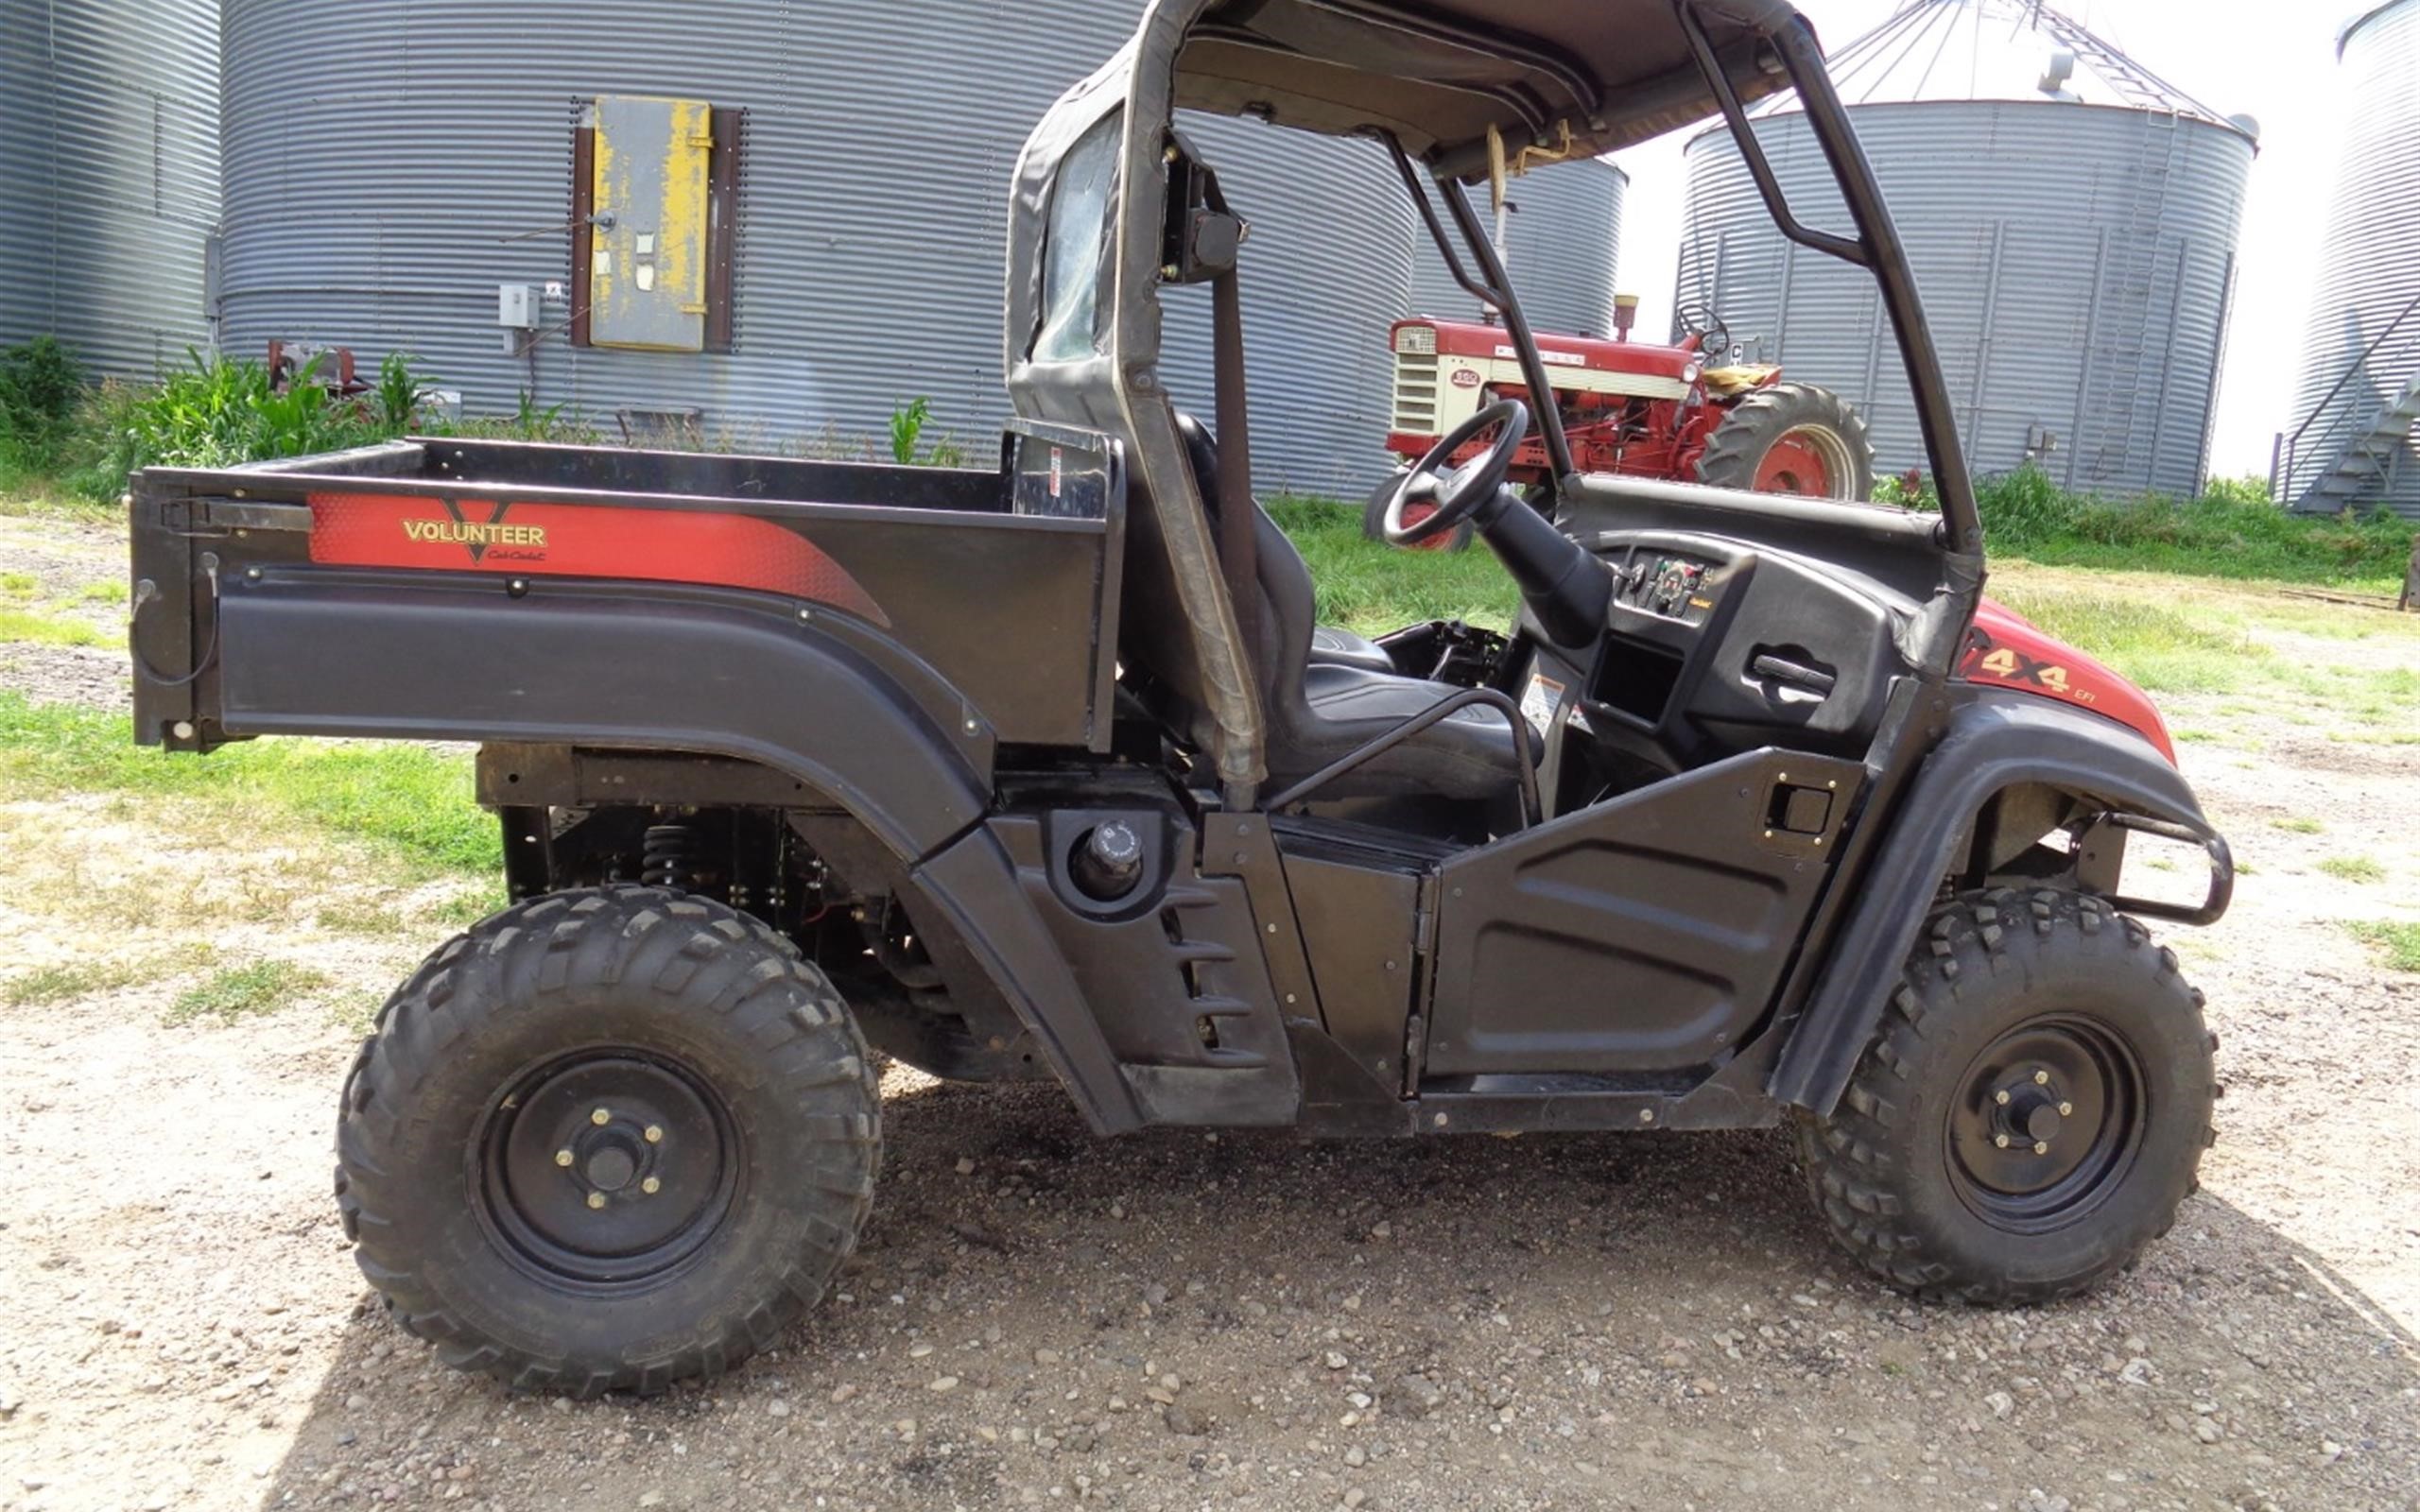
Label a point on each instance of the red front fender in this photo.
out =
(2006, 650)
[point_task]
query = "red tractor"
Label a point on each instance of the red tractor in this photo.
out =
(1628, 408)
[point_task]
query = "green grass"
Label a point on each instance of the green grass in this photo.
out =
(2300, 826)
(263, 987)
(1368, 587)
(57, 984)
(2400, 941)
(2165, 650)
(25, 627)
(2353, 868)
(2232, 531)
(415, 802)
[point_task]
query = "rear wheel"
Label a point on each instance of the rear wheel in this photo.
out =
(1374, 520)
(1790, 439)
(608, 1139)
(2033, 1110)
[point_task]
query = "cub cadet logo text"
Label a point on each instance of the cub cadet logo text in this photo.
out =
(515, 543)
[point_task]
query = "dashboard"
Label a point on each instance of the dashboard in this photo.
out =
(1713, 647)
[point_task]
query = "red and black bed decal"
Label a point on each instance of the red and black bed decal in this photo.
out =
(580, 540)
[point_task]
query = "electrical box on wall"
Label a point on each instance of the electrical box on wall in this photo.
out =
(516, 306)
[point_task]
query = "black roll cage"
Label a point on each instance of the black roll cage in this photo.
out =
(1875, 247)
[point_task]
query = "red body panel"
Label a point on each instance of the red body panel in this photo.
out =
(2005, 651)
(580, 540)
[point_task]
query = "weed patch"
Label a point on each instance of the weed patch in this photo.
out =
(2398, 941)
(263, 987)
(2353, 868)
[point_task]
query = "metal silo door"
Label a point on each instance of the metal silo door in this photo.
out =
(647, 273)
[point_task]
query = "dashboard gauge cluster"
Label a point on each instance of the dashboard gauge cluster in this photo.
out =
(1673, 587)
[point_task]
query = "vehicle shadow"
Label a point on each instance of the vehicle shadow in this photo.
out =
(1661, 1317)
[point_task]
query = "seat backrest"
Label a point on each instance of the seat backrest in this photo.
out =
(1289, 603)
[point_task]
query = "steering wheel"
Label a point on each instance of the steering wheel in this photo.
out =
(1713, 336)
(1458, 493)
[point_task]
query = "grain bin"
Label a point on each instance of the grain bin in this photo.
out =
(2071, 220)
(1563, 228)
(410, 177)
(2350, 439)
(108, 165)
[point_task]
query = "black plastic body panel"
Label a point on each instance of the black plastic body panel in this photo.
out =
(1647, 933)
(1359, 909)
(1996, 739)
(1177, 984)
(422, 657)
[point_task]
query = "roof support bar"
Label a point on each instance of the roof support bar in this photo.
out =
(1495, 293)
(1875, 247)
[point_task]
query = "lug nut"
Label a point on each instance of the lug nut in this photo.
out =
(602, 1117)
(2066, 1109)
(650, 1186)
(2040, 1079)
(654, 1134)
(2041, 1147)
(2001, 1139)
(597, 1199)
(2000, 1097)
(562, 1157)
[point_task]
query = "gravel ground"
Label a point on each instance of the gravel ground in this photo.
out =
(1184, 1320)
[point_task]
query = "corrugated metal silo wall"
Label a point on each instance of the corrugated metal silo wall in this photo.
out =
(382, 157)
(2370, 272)
(2076, 265)
(108, 165)
(1563, 240)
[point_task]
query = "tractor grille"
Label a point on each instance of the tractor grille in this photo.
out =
(1416, 393)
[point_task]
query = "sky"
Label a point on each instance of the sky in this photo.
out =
(2277, 63)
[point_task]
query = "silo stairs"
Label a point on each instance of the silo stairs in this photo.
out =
(2361, 467)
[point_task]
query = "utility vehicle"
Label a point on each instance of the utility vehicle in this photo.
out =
(1688, 412)
(1034, 772)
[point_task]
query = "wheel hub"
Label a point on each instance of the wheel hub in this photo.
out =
(2049, 1117)
(607, 1166)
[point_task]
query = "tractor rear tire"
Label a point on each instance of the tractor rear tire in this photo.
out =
(2033, 1110)
(1790, 439)
(607, 1140)
(1373, 522)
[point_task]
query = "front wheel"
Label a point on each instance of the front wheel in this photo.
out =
(606, 1140)
(1790, 439)
(2031, 1113)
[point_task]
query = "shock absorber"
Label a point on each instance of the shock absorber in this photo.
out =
(669, 855)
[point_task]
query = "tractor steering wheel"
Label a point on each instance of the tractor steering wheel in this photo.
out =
(1458, 493)
(1714, 337)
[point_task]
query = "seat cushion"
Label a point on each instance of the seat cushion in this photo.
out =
(1343, 648)
(1468, 754)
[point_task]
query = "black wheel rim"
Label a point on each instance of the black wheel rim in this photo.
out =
(2046, 1125)
(607, 1168)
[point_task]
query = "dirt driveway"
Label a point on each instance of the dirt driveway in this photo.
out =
(1179, 1321)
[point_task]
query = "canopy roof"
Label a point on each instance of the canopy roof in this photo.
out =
(1611, 73)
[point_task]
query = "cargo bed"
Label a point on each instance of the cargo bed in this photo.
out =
(442, 588)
